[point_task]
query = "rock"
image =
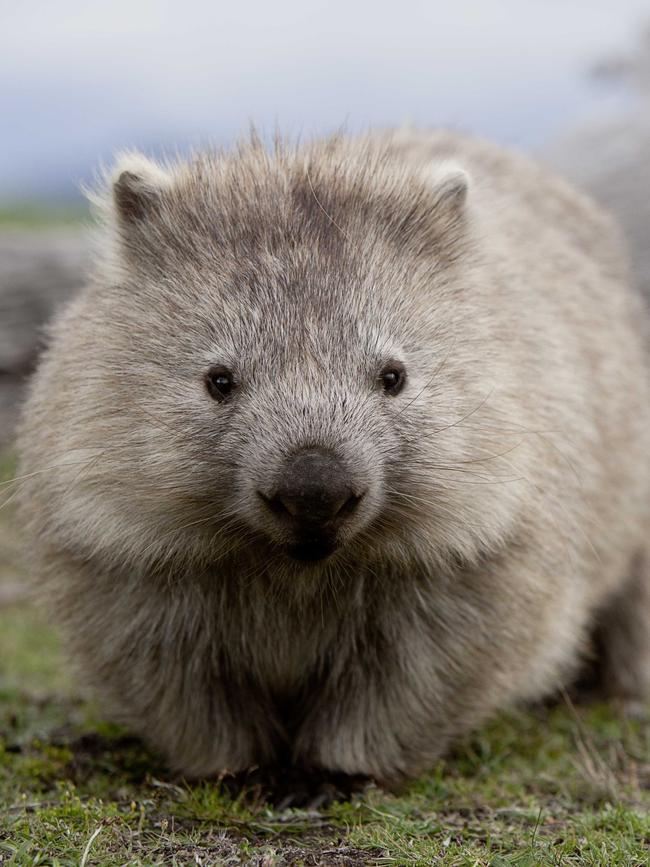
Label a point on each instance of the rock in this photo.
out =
(611, 159)
(39, 270)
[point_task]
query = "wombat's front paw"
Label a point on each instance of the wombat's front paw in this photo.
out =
(355, 750)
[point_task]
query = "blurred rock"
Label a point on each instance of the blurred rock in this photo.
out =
(611, 160)
(39, 270)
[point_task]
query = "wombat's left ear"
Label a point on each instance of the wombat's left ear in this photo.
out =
(137, 184)
(450, 184)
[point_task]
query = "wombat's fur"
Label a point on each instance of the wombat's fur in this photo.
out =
(496, 507)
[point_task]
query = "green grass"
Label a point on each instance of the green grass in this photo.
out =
(551, 786)
(37, 215)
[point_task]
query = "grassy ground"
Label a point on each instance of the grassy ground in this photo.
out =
(556, 785)
(25, 215)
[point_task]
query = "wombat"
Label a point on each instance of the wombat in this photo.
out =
(344, 448)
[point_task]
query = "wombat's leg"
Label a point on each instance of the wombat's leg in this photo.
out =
(382, 713)
(399, 693)
(203, 724)
(371, 728)
(208, 733)
(623, 637)
(150, 655)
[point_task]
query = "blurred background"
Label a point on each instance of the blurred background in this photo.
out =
(80, 79)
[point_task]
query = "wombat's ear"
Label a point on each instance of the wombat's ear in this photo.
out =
(137, 183)
(450, 184)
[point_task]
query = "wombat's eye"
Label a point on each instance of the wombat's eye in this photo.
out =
(393, 377)
(219, 382)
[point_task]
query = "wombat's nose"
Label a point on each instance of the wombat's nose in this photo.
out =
(313, 490)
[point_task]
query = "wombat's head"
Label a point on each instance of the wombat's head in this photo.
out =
(275, 364)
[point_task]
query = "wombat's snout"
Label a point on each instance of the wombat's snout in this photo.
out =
(312, 498)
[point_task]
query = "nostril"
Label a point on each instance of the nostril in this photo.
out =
(314, 509)
(350, 505)
(275, 504)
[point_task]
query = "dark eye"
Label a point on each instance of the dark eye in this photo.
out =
(219, 382)
(393, 377)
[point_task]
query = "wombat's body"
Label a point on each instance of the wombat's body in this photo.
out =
(272, 336)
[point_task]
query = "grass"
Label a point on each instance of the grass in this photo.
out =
(556, 785)
(38, 215)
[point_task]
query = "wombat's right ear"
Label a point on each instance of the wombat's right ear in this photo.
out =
(137, 184)
(450, 183)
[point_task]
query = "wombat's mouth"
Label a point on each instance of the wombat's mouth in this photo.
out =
(311, 550)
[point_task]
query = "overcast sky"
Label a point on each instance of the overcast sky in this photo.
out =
(80, 79)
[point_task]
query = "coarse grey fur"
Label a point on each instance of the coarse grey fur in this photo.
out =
(506, 487)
